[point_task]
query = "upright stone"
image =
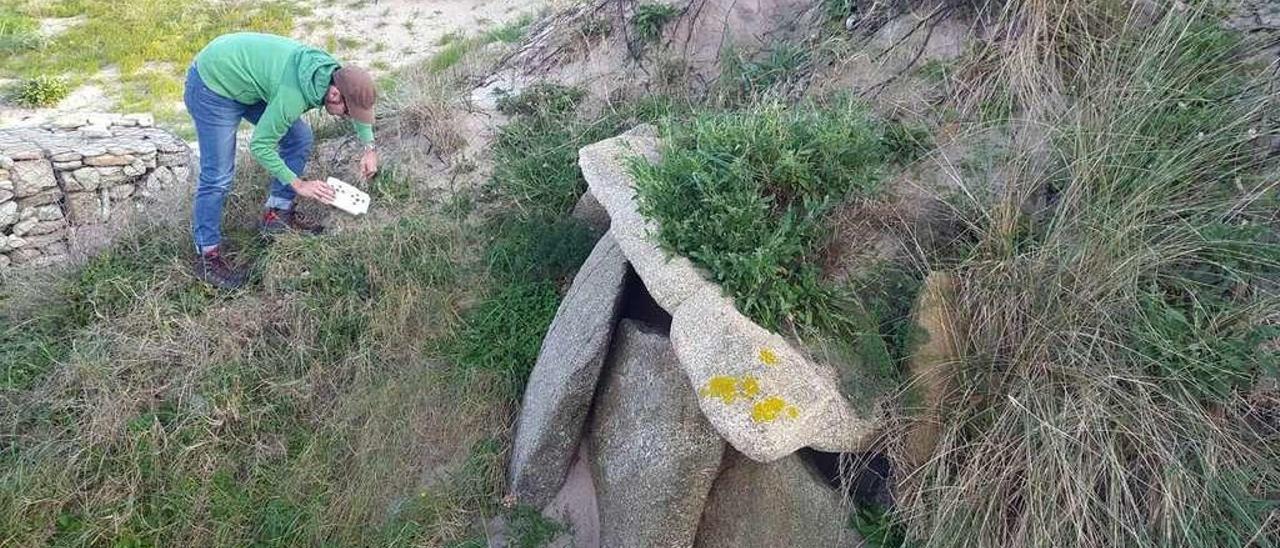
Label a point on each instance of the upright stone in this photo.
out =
(758, 505)
(563, 380)
(655, 454)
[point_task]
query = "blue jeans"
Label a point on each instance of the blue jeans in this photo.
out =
(217, 118)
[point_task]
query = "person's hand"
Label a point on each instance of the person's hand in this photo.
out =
(368, 164)
(319, 191)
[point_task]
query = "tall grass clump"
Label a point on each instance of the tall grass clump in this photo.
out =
(1114, 307)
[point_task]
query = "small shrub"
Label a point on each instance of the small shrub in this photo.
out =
(650, 18)
(41, 91)
(747, 80)
(746, 193)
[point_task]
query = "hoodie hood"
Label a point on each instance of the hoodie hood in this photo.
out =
(315, 73)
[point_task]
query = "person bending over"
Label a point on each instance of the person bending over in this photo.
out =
(270, 81)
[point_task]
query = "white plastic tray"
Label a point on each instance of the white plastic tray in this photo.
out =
(348, 198)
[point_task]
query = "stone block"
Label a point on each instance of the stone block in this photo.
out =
(4, 261)
(85, 208)
(563, 381)
(68, 166)
(182, 175)
(85, 178)
(172, 159)
(23, 256)
(120, 192)
(41, 240)
(24, 153)
(66, 156)
(32, 177)
(655, 456)
(49, 212)
(8, 213)
(47, 197)
(138, 167)
(111, 175)
(96, 132)
(141, 119)
(6, 184)
(5, 195)
(24, 225)
(109, 160)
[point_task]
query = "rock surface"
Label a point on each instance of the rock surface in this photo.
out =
(655, 456)
(589, 211)
(575, 506)
(669, 279)
(931, 364)
(760, 393)
(563, 380)
(757, 505)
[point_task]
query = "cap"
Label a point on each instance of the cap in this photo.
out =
(358, 92)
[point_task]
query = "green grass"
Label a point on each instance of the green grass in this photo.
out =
(18, 31)
(648, 20)
(456, 46)
(150, 42)
(751, 80)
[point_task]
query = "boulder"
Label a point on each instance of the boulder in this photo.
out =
(669, 279)
(31, 177)
(764, 396)
(563, 380)
(766, 505)
(655, 456)
(575, 506)
(930, 365)
(589, 211)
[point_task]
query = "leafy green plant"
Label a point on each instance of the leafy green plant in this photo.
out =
(744, 80)
(40, 91)
(648, 20)
(878, 527)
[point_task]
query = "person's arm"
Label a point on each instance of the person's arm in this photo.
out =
(265, 143)
(369, 159)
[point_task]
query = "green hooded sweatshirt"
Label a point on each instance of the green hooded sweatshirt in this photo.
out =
(290, 77)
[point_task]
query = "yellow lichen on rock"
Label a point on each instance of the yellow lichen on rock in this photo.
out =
(723, 387)
(768, 357)
(768, 409)
(748, 386)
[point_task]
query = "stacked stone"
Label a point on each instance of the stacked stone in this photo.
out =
(91, 171)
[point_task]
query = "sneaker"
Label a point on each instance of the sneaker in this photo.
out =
(278, 221)
(213, 268)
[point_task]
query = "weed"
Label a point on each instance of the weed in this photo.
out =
(41, 91)
(530, 529)
(648, 20)
(743, 80)
(18, 32)
(509, 33)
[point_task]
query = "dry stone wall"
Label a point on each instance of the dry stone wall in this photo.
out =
(68, 186)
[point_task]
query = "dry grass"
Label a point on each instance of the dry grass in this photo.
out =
(1114, 298)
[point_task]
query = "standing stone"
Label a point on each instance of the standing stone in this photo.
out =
(655, 454)
(563, 380)
(31, 177)
(758, 505)
(931, 365)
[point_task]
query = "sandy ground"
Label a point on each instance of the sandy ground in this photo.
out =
(381, 35)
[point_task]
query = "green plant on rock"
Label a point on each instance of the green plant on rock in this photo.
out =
(650, 18)
(41, 91)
